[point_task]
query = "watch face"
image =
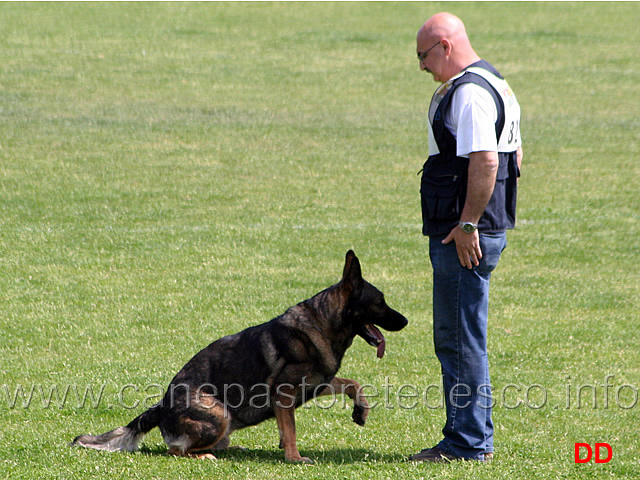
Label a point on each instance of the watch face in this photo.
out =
(468, 228)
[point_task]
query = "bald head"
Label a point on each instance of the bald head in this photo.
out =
(457, 52)
(444, 25)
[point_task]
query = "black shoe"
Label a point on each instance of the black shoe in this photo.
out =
(434, 455)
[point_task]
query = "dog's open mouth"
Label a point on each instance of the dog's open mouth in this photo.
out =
(374, 337)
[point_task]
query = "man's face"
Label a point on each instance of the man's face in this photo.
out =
(430, 55)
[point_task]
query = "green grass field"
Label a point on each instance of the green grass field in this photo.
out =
(174, 172)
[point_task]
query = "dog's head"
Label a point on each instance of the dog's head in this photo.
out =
(366, 307)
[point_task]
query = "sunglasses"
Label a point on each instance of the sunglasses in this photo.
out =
(423, 55)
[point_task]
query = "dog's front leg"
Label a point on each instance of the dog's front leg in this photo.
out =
(284, 409)
(353, 390)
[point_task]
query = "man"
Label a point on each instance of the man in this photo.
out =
(468, 194)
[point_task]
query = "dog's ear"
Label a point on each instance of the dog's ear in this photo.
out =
(352, 274)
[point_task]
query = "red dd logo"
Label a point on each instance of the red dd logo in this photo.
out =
(579, 447)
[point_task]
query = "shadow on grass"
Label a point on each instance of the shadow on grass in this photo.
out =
(337, 456)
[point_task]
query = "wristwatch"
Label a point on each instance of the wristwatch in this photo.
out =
(468, 227)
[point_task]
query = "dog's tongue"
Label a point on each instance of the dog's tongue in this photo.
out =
(378, 337)
(381, 348)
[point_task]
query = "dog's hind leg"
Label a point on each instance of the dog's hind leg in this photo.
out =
(351, 388)
(225, 444)
(197, 430)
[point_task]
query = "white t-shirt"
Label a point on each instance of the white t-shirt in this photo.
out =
(471, 119)
(472, 115)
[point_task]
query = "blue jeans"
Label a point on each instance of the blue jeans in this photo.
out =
(460, 314)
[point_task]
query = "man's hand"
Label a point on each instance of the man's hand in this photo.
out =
(467, 246)
(483, 167)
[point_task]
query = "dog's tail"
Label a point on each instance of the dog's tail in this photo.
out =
(123, 438)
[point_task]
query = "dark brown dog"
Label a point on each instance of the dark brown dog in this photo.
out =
(265, 371)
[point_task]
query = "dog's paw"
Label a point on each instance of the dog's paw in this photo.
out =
(360, 414)
(299, 459)
(205, 456)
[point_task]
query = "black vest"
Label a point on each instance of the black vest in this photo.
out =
(443, 188)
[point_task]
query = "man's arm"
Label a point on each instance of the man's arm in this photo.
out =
(483, 167)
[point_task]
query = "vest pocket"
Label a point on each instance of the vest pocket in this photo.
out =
(441, 199)
(503, 170)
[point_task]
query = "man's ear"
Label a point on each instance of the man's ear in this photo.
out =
(446, 45)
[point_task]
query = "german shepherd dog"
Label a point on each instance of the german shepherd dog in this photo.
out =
(265, 371)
